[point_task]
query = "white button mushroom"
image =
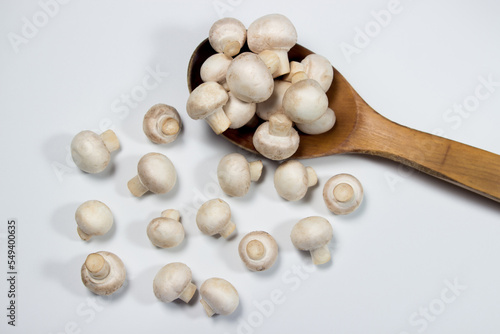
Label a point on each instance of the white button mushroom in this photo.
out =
(258, 250)
(292, 180)
(321, 125)
(155, 173)
(166, 231)
(227, 35)
(235, 173)
(91, 152)
(218, 296)
(238, 112)
(103, 273)
(305, 101)
(161, 124)
(273, 104)
(313, 234)
(206, 102)
(93, 218)
(343, 194)
(215, 68)
(172, 282)
(214, 217)
(276, 139)
(320, 69)
(273, 32)
(249, 79)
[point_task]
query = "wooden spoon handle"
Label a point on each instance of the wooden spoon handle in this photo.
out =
(466, 166)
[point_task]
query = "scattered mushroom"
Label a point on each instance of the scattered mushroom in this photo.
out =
(238, 112)
(320, 69)
(274, 104)
(155, 173)
(173, 281)
(227, 35)
(91, 152)
(218, 296)
(305, 101)
(313, 234)
(93, 218)
(276, 139)
(161, 124)
(103, 273)
(214, 217)
(249, 79)
(206, 102)
(292, 180)
(273, 32)
(166, 231)
(215, 69)
(321, 125)
(235, 173)
(258, 250)
(343, 194)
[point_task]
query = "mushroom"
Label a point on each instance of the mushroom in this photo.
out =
(343, 194)
(93, 218)
(214, 217)
(103, 273)
(292, 180)
(215, 68)
(249, 79)
(320, 69)
(273, 32)
(161, 124)
(258, 250)
(206, 102)
(227, 35)
(276, 139)
(305, 101)
(235, 173)
(321, 125)
(313, 234)
(155, 173)
(218, 296)
(166, 231)
(238, 112)
(91, 152)
(174, 281)
(273, 104)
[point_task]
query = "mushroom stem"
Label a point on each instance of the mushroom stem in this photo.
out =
(255, 250)
(312, 178)
(295, 67)
(97, 266)
(172, 214)
(255, 170)
(279, 125)
(84, 236)
(299, 76)
(271, 60)
(218, 121)
(343, 192)
(110, 140)
(231, 48)
(170, 127)
(136, 187)
(228, 230)
(284, 65)
(208, 309)
(320, 255)
(188, 293)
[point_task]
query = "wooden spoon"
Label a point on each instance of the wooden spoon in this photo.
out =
(360, 129)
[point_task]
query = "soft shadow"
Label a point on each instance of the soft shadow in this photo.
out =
(63, 221)
(68, 274)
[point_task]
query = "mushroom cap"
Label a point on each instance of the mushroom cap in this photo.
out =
(239, 112)
(215, 68)
(157, 173)
(165, 232)
(320, 69)
(349, 203)
(89, 152)
(264, 250)
(271, 32)
(213, 216)
(321, 125)
(275, 147)
(154, 119)
(311, 233)
(291, 180)
(171, 281)
(226, 30)
(112, 282)
(205, 99)
(233, 173)
(305, 101)
(249, 79)
(273, 104)
(220, 295)
(94, 217)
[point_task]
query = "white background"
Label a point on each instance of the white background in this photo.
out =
(392, 259)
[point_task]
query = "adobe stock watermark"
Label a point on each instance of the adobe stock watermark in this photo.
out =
(31, 26)
(421, 319)
(222, 7)
(119, 110)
